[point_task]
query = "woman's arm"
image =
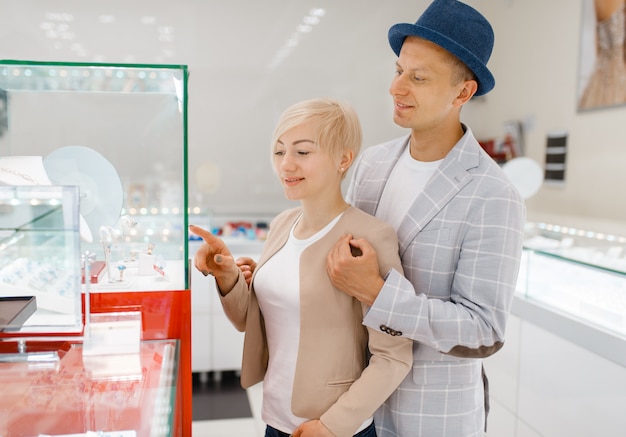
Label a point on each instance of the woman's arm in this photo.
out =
(391, 355)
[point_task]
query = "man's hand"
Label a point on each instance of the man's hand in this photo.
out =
(352, 266)
(312, 428)
(214, 258)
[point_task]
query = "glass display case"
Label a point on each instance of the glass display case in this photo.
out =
(40, 270)
(111, 140)
(118, 132)
(579, 273)
(122, 396)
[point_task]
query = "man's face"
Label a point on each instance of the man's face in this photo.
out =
(422, 89)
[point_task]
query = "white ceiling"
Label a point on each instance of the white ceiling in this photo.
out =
(229, 46)
(202, 32)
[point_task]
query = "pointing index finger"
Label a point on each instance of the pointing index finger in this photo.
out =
(202, 233)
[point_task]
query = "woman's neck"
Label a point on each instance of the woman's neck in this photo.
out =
(315, 217)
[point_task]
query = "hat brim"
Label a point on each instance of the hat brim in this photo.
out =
(399, 32)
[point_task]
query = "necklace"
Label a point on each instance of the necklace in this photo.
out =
(20, 174)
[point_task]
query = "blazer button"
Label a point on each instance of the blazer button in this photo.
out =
(388, 330)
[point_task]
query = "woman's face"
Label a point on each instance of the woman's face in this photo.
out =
(305, 170)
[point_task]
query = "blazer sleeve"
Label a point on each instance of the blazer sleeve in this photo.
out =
(235, 303)
(390, 361)
(471, 323)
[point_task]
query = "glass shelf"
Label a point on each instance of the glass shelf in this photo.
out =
(578, 273)
(40, 257)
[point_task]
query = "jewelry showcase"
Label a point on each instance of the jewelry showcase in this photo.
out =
(94, 284)
(579, 273)
(39, 255)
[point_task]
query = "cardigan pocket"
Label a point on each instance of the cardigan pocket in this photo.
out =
(340, 383)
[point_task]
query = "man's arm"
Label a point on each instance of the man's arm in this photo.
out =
(466, 292)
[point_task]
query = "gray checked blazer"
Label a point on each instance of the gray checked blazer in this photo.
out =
(460, 245)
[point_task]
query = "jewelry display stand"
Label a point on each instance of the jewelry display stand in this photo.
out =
(23, 170)
(80, 140)
(101, 191)
(14, 311)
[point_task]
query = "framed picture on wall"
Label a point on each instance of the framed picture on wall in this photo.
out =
(602, 71)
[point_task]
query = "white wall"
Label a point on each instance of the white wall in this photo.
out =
(536, 65)
(235, 100)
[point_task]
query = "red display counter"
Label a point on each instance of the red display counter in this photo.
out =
(144, 394)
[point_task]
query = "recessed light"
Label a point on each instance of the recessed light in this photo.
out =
(308, 21)
(303, 28)
(59, 16)
(317, 12)
(311, 20)
(106, 19)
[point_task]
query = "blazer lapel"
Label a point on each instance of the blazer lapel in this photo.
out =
(377, 171)
(448, 180)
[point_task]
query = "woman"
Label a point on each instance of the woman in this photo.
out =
(323, 372)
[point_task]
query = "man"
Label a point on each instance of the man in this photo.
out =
(459, 223)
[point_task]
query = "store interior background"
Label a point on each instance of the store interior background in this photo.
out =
(239, 84)
(243, 73)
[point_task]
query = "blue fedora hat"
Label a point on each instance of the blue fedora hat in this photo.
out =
(458, 28)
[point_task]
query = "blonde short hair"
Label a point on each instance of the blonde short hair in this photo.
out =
(337, 126)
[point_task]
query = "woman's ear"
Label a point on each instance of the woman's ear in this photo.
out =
(346, 160)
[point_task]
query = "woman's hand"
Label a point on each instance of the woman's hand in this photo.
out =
(312, 428)
(247, 266)
(214, 258)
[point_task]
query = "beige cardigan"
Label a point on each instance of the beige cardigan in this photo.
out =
(332, 382)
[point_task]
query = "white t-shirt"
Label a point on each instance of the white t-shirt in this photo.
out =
(406, 181)
(277, 285)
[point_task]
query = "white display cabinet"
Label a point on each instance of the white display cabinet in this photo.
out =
(544, 385)
(216, 345)
(562, 370)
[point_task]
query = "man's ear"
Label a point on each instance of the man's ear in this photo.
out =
(467, 91)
